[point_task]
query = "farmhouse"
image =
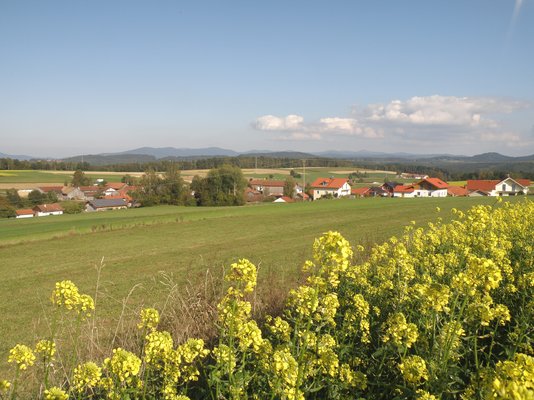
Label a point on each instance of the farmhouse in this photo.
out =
(58, 190)
(73, 193)
(336, 187)
(389, 187)
(267, 187)
(44, 210)
(24, 213)
(505, 187)
(404, 191)
(457, 191)
(361, 192)
(430, 187)
(106, 204)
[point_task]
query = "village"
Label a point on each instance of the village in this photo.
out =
(117, 195)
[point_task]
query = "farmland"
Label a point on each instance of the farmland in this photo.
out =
(137, 245)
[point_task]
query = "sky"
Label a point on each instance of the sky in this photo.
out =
(425, 77)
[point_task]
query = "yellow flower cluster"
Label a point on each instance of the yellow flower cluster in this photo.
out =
(66, 294)
(123, 365)
(244, 274)
(399, 332)
(514, 379)
(4, 386)
(22, 355)
(413, 369)
(149, 319)
(55, 393)
(47, 349)
(86, 376)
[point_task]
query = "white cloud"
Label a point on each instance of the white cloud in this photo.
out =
(441, 111)
(272, 123)
(421, 120)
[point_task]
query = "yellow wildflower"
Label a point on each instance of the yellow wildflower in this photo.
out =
(413, 369)
(149, 319)
(86, 376)
(55, 393)
(22, 355)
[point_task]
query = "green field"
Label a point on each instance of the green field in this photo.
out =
(137, 244)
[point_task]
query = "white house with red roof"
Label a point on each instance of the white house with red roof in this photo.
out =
(24, 213)
(44, 210)
(404, 191)
(430, 187)
(337, 187)
(505, 187)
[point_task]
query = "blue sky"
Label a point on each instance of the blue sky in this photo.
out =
(451, 76)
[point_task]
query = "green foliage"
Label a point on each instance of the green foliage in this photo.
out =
(156, 189)
(80, 179)
(289, 187)
(72, 207)
(223, 186)
(6, 209)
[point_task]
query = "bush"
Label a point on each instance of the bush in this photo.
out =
(72, 207)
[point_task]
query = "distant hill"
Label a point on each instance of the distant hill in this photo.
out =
(280, 154)
(98, 159)
(163, 152)
(16, 157)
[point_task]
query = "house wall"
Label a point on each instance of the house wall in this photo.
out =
(25, 216)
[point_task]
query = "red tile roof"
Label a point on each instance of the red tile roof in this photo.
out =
(330, 183)
(403, 189)
(436, 182)
(265, 182)
(479, 184)
(523, 182)
(286, 199)
(360, 191)
(457, 191)
(48, 207)
(115, 185)
(24, 211)
(47, 189)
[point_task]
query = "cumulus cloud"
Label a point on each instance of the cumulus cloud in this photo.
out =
(417, 120)
(272, 123)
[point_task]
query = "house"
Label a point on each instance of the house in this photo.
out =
(106, 204)
(253, 196)
(284, 199)
(361, 192)
(267, 187)
(505, 187)
(24, 213)
(73, 193)
(90, 192)
(44, 210)
(430, 187)
(404, 191)
(336, 187)
(377, 191)
(389, 187)
(457, 191)
(301, 196)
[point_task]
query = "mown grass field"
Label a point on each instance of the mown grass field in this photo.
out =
(137, 245)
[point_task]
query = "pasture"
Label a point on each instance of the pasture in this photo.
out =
(184, 242)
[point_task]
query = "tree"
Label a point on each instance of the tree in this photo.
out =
(6, 209)
(80, 179)
(289, 187)
(36, 197)
(223, 186)
(13, 198)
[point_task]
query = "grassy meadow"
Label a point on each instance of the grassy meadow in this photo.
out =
(137, 245)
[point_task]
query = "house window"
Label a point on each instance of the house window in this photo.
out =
(504, 187)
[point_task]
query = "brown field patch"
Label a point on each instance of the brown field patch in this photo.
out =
(361, 170)
(27, 185)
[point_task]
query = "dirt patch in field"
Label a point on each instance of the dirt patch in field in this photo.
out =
(251, 171)
(28, 185)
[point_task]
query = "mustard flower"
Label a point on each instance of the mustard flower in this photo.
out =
(86, 376)
(55, 393)
(149, 319)
(413, 369)
(4, 386)
(352, 378)
(225, 357)
(399, 332)
(22, 355)
(123, 364)
(46, 348)
(157, 346)
(243, 272)
(280, 328)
